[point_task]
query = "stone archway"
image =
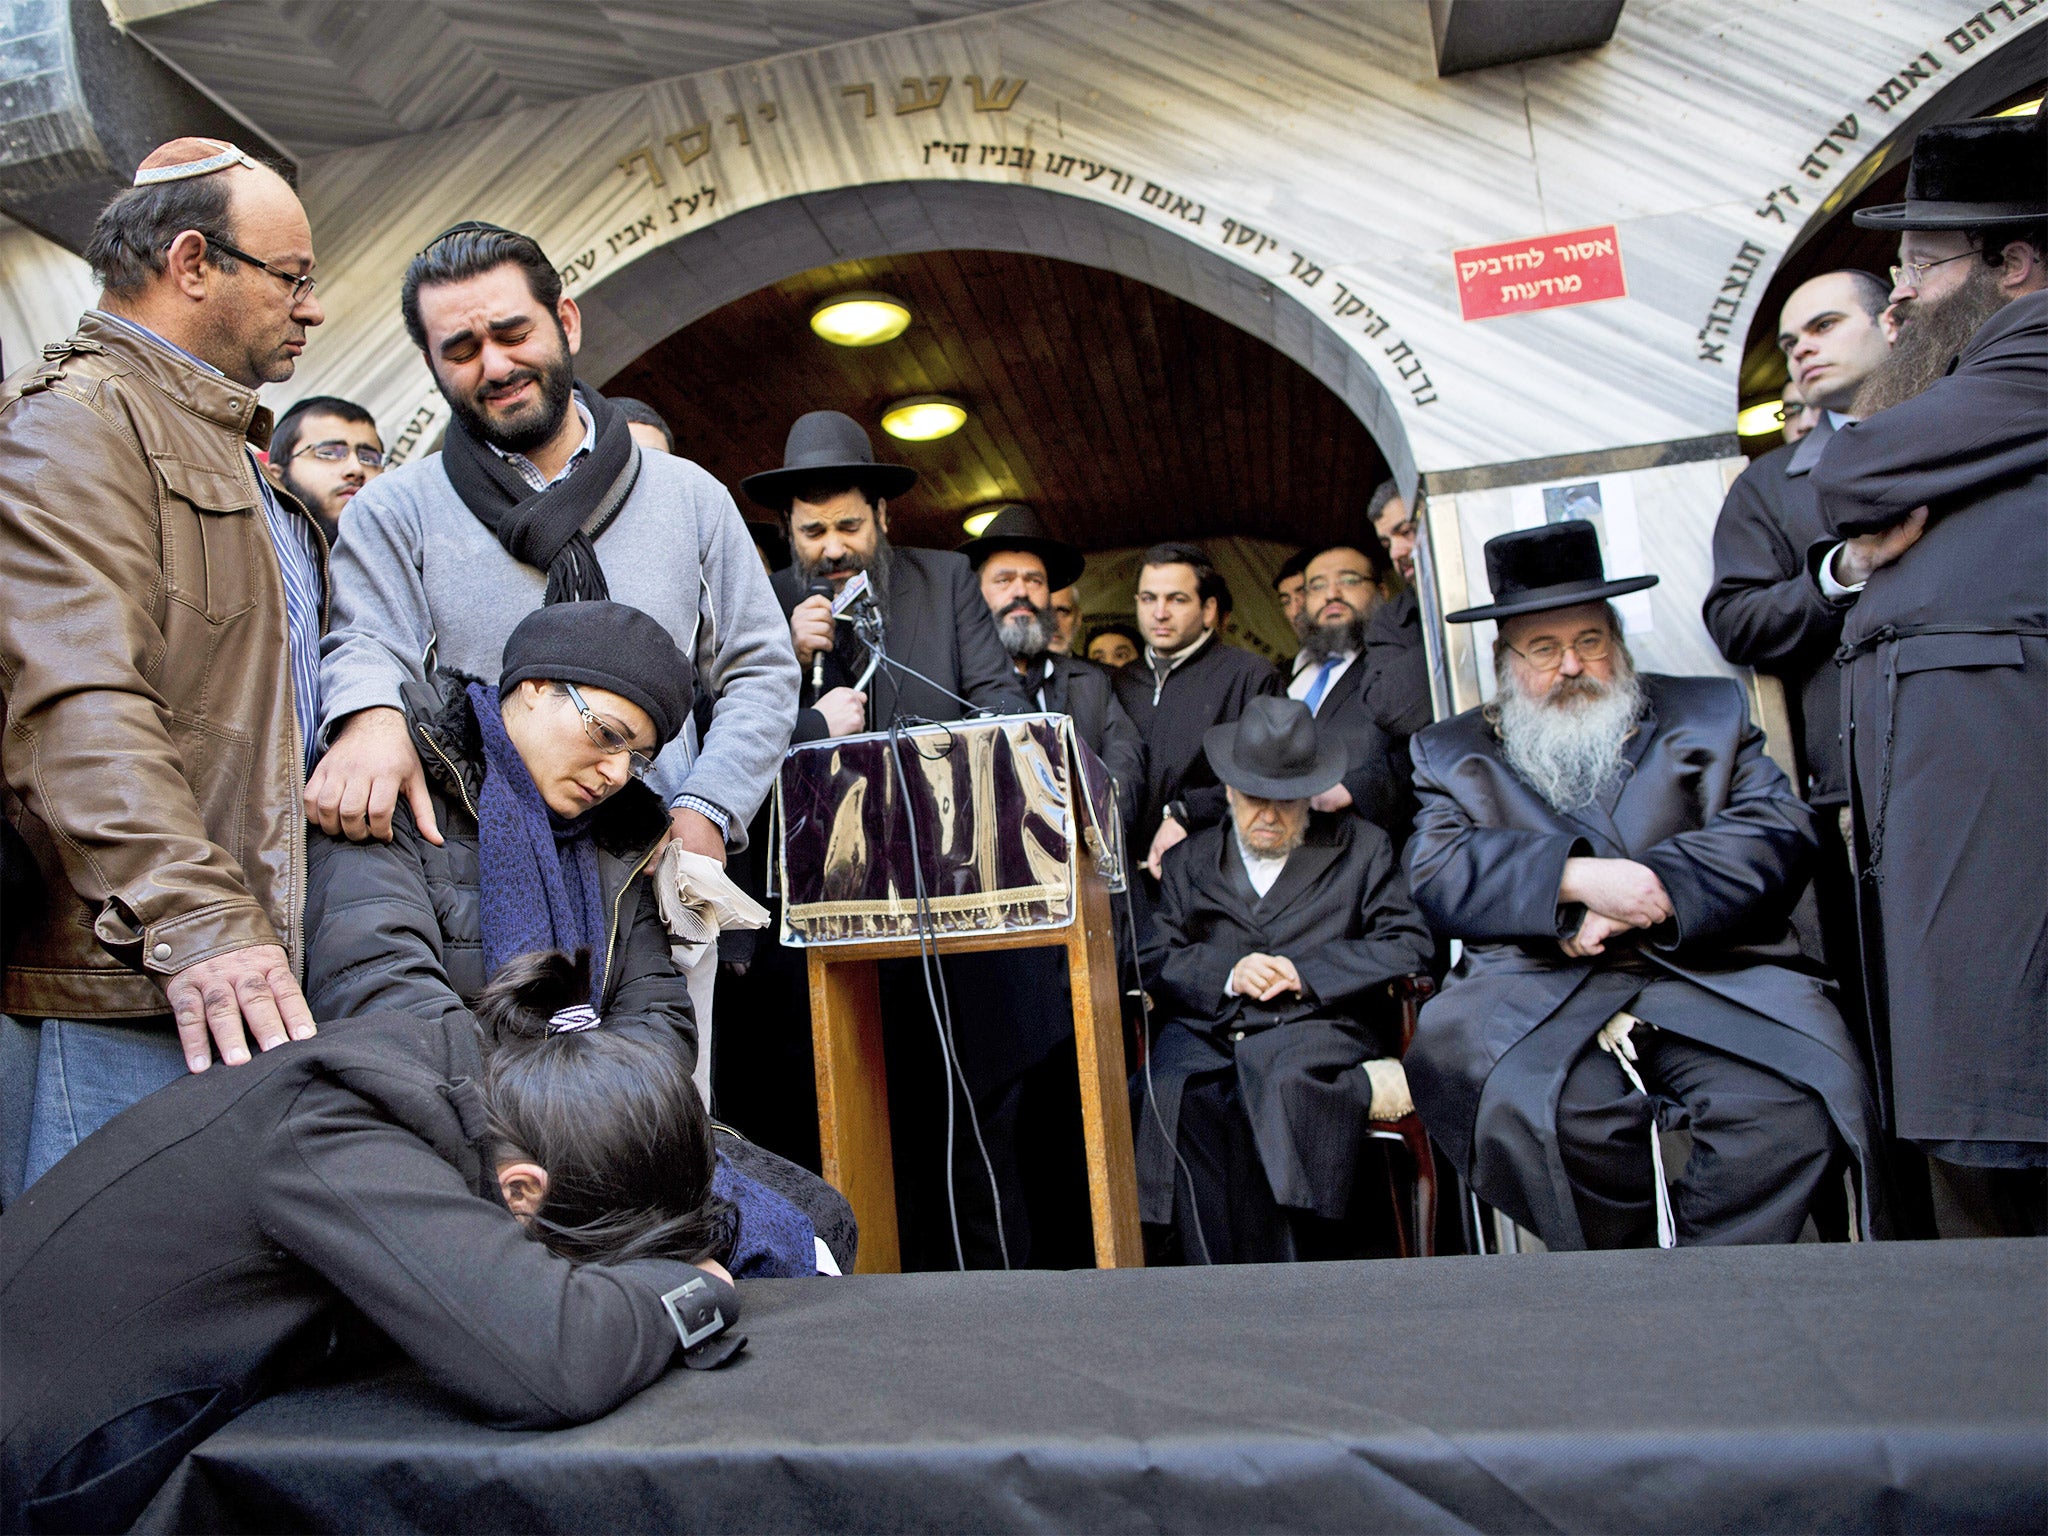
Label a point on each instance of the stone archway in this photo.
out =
(642, 303)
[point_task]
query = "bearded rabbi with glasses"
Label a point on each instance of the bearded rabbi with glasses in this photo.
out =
(1619, 859)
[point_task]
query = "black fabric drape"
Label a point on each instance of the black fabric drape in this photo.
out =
(551, 530)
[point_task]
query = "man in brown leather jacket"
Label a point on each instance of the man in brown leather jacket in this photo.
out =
(158, 658)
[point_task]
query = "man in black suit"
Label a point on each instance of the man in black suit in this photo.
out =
(1019, 567)
(1280, 929)
(1186, 681)
(949, 662)
(835, 499)
(1332, 676)
(1765, 611)
(1619, 858)
(1937, 539)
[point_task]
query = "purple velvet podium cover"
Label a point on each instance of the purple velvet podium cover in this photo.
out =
(1002, 808)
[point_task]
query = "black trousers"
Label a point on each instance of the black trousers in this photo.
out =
(1761, 1147)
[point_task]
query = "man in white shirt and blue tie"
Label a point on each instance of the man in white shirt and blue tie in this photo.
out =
(1343, 586)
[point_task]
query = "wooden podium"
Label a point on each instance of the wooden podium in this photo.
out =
(853, 1097)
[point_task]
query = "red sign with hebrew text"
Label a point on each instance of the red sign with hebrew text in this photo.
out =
(1581, 267)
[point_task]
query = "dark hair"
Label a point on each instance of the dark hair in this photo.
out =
(284, 437)
(646, 415)
(1994, 241)
(1207, 583)
(1873, 293)
(1292, 566)
(470, 250)
(612, 1115)
(1115, 627)
(132, 236)
(1382, 493)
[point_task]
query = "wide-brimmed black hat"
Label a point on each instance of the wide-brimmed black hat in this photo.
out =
(1536, 569)
(828, 443)
(1983, 173)
(1018, 527)
(1273, 751)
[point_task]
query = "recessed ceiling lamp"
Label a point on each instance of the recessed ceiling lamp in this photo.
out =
(861, 319)
(978, 520)
(922, 418)
(1759, 420)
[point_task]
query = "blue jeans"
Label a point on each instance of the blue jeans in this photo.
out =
(62, 1079)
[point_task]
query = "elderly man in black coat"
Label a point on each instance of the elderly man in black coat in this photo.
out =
(1619, 857)
(1280, 930)
(1940, 504)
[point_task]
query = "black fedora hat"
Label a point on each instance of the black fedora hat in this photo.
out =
(829, 444)
(1274, 751)
(1982, 173)
(1555, 566)
(1018, 527)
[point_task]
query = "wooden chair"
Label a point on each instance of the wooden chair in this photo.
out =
(1411, 992)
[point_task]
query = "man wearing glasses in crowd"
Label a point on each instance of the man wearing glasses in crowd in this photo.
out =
(323, 450)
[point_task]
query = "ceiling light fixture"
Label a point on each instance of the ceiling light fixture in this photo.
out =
(978, 520)
(923, 418)
(1760, 420)
(861, 319)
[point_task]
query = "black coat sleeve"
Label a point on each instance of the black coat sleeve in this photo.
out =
(523, 1337)
(1193, 968)
(650, 990)
(1975, 429)
(1484, 884)
(988, 678)
(1393, 940)
(1763, 609)
(1207, 802)
(1397, 668)
(1123, 753)
(1740, 873)
(374, 941)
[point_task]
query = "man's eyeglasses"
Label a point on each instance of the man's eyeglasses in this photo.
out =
(1347, 581)
(335, 451)
(301, 283)
(1548, 655)
(1912, 274)
(608, 738)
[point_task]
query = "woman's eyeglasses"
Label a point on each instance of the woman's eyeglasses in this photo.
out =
(608, 738)
(335, 451)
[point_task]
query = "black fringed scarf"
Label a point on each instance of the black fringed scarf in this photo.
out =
(552, 530)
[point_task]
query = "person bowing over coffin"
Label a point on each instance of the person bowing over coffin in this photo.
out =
(1279, 930)
(1620, 860)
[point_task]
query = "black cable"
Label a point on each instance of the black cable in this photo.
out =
(942, 1016)
(1151, 1093)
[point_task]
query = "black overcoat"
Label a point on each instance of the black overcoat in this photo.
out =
(1397, 670)
(1719, 822)
(938, 624)
(1210, 688)
(1945, 707)
(1765, 611)
(1340, 911)
(1067, 685)
(246, 1224)
(1376, 779)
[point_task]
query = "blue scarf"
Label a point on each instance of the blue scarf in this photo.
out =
(772, 1239)
(541, 887)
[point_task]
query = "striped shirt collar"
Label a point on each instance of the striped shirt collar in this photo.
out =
(530, 472)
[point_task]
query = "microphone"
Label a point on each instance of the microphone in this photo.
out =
(819, 587)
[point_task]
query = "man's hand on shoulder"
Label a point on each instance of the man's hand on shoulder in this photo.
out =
(215, 1001)
(355, 787)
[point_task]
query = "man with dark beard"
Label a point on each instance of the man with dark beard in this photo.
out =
(1021, 569)
(1940, 501)
(1619, 858)
(1342, 591)
(539, 496)
(834, 498)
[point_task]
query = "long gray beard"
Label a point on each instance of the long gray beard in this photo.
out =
(1322, 641)
(1930, 336)
(1569, 751)
(1026, 636)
